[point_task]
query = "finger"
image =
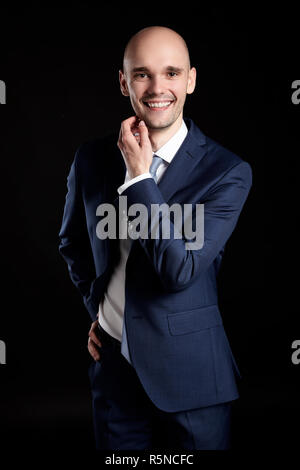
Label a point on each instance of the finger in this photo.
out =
(130, 122)
(119, 143)
(94, 325)
(92, 348)
(136, 133)
(93, 334)
(135, 129)
(127, 127)
(127, 140)
(144, 137)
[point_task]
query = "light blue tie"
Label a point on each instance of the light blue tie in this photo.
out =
(154, 166)
(124, 344)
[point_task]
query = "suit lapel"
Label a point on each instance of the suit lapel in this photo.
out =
(181, 167)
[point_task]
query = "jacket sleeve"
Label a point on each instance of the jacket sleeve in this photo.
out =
(176, 266)
(74, 244)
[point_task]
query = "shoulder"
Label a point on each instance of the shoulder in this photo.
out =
(225, 160)
(97, 152)
(218, 159)
(94, 147)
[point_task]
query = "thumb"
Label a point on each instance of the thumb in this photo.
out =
(144, 138)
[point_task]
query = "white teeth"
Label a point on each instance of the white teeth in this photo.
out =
(159, 105)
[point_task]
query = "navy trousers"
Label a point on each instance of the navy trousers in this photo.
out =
(126, 419)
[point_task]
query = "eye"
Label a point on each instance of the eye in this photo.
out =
(141, 75)
(172, 74)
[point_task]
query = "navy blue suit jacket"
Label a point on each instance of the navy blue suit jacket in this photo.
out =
(176, 338)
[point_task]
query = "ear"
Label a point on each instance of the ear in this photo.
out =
(123, 83)
(191, 81)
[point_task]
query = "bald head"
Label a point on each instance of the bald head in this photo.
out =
(157, 37)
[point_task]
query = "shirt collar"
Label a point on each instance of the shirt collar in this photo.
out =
(170, 148)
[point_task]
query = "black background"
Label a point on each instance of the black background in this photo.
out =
(60, 66)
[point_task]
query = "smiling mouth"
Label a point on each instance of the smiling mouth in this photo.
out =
(158, 105)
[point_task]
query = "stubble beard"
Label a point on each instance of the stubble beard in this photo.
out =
(163, 125)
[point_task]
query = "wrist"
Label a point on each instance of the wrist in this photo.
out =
(137, 172)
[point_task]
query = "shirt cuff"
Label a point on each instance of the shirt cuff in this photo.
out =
(133, 180)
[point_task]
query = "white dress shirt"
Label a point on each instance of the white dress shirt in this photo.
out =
(112, 305)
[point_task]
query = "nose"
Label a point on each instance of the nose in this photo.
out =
(156, 86)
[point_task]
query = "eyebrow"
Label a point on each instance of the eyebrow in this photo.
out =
(169, 68)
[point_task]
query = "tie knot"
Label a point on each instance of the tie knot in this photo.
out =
(154, 165)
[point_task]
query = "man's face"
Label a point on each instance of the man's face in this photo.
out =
(157, 78)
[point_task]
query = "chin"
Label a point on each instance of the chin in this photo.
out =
(158, 124)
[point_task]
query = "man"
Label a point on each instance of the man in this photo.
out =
(162, 358)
